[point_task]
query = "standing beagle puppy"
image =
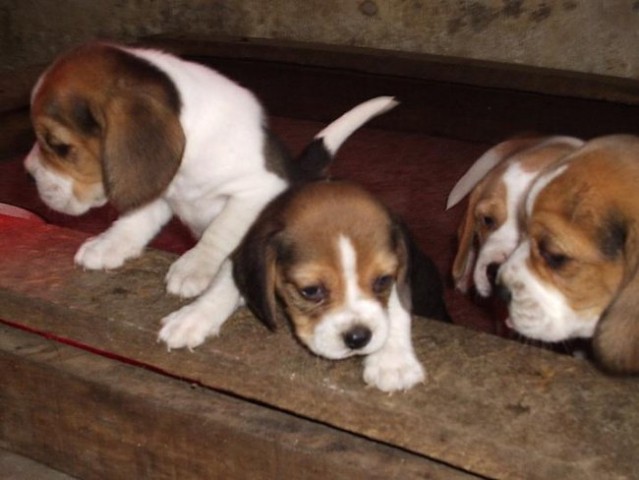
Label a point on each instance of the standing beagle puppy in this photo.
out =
(575, 270)
(333, 260)
(157, 136)
(497, 183)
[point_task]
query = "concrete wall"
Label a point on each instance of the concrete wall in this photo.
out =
(599, 36)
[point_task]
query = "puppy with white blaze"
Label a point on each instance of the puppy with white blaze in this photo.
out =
(497, 183)
(333, 260)
(156, 136)
(574, 273)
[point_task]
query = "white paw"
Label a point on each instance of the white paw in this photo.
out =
(187, 327)
(394, 370)
(190, 275)
(104, 252)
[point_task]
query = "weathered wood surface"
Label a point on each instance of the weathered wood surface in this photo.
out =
(490, 406)
(17, 467)
(95, 417)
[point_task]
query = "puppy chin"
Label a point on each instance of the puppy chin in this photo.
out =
(327, 339)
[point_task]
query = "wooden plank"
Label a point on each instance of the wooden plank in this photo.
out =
(95, 417)
(492, 407)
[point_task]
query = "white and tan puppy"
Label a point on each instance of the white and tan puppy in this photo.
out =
(157, 136)
(575, 271)
(497, 182)
(331, 258)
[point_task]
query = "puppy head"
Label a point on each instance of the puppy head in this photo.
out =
(329, 257)
(499, 179)
(107, 128)
(578, 261)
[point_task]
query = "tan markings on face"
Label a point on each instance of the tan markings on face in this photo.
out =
(65, 117)
(567, 228)
(68, 108)
(490, 210)
(315, 221)
(71, 155)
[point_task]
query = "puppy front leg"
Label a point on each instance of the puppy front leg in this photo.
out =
(395, 366)
(191, 325)
(192, 273)
(125, 239)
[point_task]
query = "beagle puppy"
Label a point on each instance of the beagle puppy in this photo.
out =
(332, 259)
(575, 270)
(158, 136)
(497, 182)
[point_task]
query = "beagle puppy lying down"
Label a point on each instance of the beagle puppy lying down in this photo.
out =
(575, 270)
(333, 260)
(158, 136)
(497, 183)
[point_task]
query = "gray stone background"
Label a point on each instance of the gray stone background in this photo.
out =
(593, 36)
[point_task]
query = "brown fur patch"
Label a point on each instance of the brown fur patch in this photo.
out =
(103, 115)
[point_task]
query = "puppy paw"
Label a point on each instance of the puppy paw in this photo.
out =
(105, 252)
(190, 275)
(187, 328)
(392, 371)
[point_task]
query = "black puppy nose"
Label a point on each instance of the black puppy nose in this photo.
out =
(357, 337)
(503, 293)
(30, 177)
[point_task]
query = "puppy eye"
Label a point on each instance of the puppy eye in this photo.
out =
(488, 222)
(314, 293)
(555, 261)
(59, 148)
(382, 283)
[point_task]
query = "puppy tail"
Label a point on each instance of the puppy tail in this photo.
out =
(316, 157)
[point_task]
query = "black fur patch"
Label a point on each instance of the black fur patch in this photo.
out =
(312, 163)
(82, 117)
(612, 235)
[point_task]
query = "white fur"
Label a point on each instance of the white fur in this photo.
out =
(538, 310)
(341, 128)
(192, 324)
(503, 241)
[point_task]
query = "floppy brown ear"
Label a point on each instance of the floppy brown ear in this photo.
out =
(419, 283)
(142, 148)
(254, 269)
(466, 247)
(616, 338)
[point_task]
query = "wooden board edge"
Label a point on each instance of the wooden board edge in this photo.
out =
(94, 417)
